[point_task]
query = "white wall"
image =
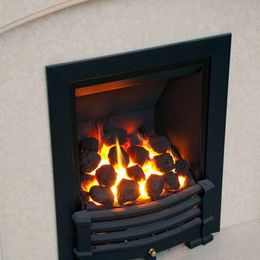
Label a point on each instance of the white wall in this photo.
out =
(97, 28)
(16, 9)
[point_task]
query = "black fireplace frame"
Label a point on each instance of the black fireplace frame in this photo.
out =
(62, 81)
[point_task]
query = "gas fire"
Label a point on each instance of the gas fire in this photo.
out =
(125, 162)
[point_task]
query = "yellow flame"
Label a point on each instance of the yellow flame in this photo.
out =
(148, 169)
(170, 152)
(142, 190)
(120, 169)
(146, 145)
(120, 159)
(86, 186)
(95, 202)
(182, 181)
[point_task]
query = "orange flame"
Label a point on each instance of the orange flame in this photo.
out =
(148, 168)
(183, 179)
(120, 159)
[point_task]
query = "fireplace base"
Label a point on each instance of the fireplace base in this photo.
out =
(143, 230)
(199, 241)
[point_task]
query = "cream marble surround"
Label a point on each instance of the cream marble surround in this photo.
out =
(96, 28)
(21, 12)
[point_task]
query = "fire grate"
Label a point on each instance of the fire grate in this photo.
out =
(150, 227)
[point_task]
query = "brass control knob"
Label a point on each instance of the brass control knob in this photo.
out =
(152, 252)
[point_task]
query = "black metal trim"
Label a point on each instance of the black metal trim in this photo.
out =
(146, 229)
(140, 247)
(64, 78)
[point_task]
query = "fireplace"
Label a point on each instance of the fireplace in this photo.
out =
(138, 144)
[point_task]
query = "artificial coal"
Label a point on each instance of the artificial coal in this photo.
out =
(160, 144)
(111, 134)
(181, 165)
(134, 139)
(127, 190)
(89, 161)
(106, 175)
(171, 181)
(147, 130)
(138, 154)
(89, 144)
(154, 186)
(113, 156)
(86, 179)
(102, 195)
(136, 173)
(164, 162)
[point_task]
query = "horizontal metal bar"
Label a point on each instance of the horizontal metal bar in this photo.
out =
(123, 224)
(145, 230)
(137, 210)
(135, 248)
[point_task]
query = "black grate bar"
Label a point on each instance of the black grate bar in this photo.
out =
(135, 248)
(145, 230)
(145, 219)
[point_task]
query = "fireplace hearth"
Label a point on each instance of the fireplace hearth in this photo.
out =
(138, 145)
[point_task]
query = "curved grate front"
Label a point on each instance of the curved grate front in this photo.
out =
(118, 231)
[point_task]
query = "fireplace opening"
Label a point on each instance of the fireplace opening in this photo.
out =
(139, 138)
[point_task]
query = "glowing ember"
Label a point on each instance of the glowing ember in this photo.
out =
(149, 168)
(183, 181)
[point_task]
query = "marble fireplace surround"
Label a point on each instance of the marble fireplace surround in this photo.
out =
(95, 28)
